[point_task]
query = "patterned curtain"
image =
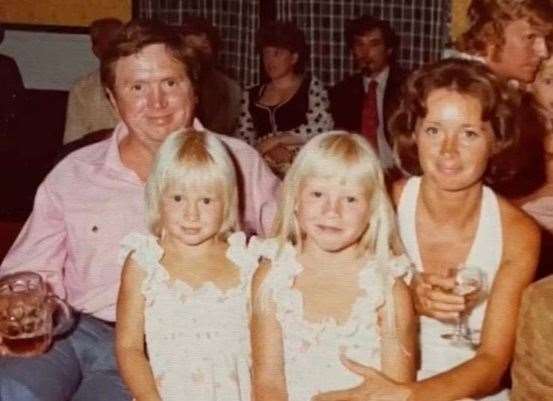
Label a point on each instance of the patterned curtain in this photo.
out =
(422, 26)
(236, 20)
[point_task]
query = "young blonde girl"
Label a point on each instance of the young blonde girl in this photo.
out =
(328, 289)
(185, 286)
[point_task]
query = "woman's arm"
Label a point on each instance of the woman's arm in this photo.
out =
(245, 129)
(129, 336)
(482, 374)
(399, 348)
(268, 379)
(318, 115)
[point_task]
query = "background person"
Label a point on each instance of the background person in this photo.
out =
(218, 95)
(88, 107)
(279, 116)
(364, 102)
(508, 36)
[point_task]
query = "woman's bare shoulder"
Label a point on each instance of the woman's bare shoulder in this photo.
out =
(397, 189)
(516, 221)
(521, 236)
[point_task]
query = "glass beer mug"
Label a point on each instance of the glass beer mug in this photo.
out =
(30, 314)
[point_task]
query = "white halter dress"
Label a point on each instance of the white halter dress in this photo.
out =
(312, 349)
(437, 355)
(198, 339)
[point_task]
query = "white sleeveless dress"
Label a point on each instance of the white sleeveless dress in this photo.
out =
(312, 349)
(198, 339)
(437, 355)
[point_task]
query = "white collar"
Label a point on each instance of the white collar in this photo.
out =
(380, 79)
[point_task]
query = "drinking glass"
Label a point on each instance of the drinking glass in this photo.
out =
(469, 281)
(30, 314)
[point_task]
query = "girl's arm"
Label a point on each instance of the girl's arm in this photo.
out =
(129, 335)
(399, 348)
(269, 383)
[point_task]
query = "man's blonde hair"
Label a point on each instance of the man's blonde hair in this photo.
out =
(488, 19)
(189, 159)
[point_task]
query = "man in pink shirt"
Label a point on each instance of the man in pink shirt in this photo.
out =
(94, 197)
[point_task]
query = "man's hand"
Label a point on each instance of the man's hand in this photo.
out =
(375, 386)
(432, 297)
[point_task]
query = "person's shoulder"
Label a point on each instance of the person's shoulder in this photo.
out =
(348, 82)
(86, 81)
(237, 146)
(225, 78)
(518, 227)
(397, 189)
(7, 61)
(90, 154)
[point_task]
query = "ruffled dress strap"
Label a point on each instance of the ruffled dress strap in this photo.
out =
(283, 270)
(147, 253)
(242, 255)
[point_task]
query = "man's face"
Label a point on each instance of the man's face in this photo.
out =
(520, 56)
(153, 95)
(370, 52)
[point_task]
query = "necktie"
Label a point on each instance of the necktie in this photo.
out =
(369, 114)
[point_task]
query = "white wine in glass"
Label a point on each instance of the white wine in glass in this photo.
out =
(469, 281)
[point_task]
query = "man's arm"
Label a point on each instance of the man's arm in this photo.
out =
(259, 187)
(41, 244)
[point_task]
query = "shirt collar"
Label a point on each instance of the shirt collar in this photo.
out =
(380, 78)
(121, 131)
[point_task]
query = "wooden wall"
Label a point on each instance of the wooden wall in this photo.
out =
(71, 13)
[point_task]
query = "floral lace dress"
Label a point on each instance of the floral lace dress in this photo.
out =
(197, 339)
(312, 349)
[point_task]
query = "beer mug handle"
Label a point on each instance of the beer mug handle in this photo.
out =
(65, 321)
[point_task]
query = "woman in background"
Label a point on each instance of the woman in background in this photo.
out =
(279, 116)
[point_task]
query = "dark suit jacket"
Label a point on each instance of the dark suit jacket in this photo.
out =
(346, 100)
(11, 97)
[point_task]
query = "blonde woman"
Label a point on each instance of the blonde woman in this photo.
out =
(185, 286)
(330, 286)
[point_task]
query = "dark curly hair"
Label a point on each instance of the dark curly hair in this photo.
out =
(285, 35)
(367, 23)
(502, 107)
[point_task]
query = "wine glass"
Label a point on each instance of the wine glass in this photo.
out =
(469, 281)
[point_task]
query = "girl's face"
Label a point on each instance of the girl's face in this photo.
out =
(454, 144)
(542, 88)
(192, 216)
(278, 61)
(333, 215)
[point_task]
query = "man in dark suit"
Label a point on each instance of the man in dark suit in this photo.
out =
(11, 99)
(353, 103)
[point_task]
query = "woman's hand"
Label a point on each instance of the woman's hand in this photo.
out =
(375, 386)
(282, 138)
(265, 145)
(432, 297)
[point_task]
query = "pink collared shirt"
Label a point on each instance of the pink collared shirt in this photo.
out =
(90, 201)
